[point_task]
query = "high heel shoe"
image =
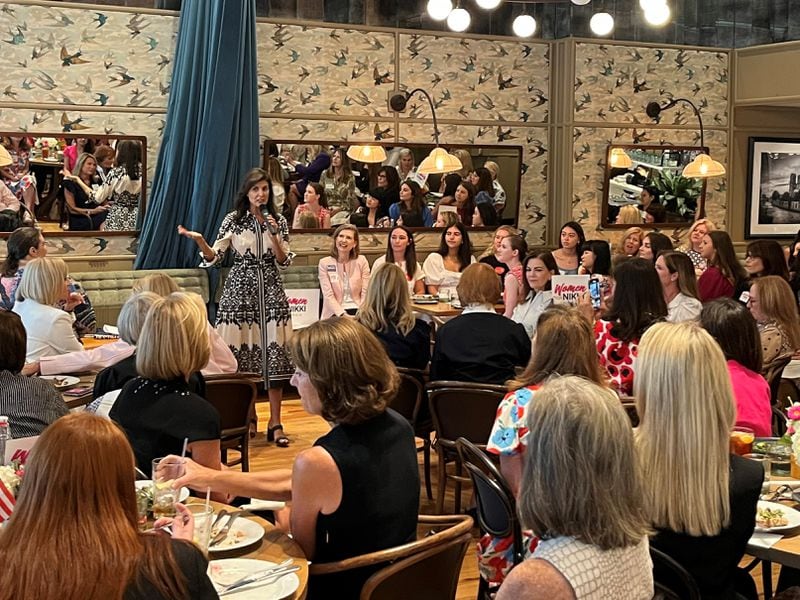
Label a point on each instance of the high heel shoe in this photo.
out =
(281, 441)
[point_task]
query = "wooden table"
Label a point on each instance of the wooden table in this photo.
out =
(87, 379)
(445, 309)
(275, 546)
(90, 342)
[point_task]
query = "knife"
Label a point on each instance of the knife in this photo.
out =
(225, 530)
(274, 573)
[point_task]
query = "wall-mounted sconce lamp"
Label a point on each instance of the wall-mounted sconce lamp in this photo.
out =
(439, 160)
(703, 166)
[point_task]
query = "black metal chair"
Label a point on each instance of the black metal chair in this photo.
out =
(408, 402)
(459, 410)
(670, 580)
(496, 505)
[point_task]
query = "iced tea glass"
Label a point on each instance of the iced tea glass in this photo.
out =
(203, 518)
(742, 440)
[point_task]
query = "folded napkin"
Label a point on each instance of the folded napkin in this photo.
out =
(762, 539)
(256, 504)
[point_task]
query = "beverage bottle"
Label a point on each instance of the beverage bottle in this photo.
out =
(5, 435)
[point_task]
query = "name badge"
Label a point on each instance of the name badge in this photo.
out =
(333, 275)
(329, 186)
(745, 297)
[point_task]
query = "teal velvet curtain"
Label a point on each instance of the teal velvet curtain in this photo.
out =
(211, 134)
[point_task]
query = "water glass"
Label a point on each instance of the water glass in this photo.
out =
(444, 295)
(765, 463)
(780, 458)
(165, 472)
(203, 519)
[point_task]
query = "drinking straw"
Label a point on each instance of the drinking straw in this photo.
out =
(208, 498)
(185, 444)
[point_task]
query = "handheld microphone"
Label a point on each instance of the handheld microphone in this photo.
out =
(265, 213)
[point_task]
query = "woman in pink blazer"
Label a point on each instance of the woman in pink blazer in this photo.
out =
(344, 275)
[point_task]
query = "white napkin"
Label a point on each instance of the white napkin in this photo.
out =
(762, 539)
(256, 504)
(110, 329)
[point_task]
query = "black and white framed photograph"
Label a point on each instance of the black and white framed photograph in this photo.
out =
(773, 187)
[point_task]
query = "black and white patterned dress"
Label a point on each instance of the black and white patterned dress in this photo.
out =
(123, 195)
(253, 311)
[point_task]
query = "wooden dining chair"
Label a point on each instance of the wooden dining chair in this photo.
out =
(425, 569)
(234, 398)
(459, 410)
(409, 403)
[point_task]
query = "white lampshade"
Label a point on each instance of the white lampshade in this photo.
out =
(488, 4)
(458, 20)
(524, 26)
(601, 23)
(703, 166)
(439, 9)
(619, 159)
(657, 15)
(581, 2)
(439, 161)
(367, 154)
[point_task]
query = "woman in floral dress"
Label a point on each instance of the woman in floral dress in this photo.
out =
(253, 316)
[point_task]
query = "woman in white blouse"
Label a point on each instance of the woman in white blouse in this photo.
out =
(676, 273)
(443, 268)
(344, 275)
(401, 251)
(49, 329)
(538, 269)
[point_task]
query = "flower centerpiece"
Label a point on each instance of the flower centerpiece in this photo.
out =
(10, 481)
(793, 433)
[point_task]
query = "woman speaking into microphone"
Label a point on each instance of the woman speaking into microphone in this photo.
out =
(253, 316)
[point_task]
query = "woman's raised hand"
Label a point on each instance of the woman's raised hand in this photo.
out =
(192, 235)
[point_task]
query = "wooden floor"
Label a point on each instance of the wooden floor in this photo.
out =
(303, 429)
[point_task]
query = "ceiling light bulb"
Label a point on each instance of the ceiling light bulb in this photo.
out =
(646, 5)
(488, 4)
(524, 26)
(581, 2)
(657, 15)
(601, 23)
(458, 20)
(439, 9)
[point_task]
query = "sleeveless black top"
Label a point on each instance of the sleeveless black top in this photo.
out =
(377, 461)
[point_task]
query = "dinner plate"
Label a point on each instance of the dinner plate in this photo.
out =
(791, 515)
(243, 533)
(227, 570)
(145, 483)
(62, 382)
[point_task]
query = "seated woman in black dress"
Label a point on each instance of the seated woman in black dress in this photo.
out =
(74, 533)
(699, 499)
(157, 409)
(479, 345)
(357, 489)
(84, 213)
(387, 313)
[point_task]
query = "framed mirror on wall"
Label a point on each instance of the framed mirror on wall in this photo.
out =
(651, 191)
(484, 194)
(77, 183)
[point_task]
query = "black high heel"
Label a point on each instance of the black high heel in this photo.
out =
(281, 441)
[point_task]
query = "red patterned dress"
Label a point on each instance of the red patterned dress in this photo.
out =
(616, 356)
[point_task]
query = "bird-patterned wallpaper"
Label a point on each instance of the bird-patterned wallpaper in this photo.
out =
(613, 84)
(73, 70)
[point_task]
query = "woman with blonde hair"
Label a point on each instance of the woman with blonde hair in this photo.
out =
(157, 409)
(479, 345)
(631, 242)
(583, 499)
(42, 287)
(387, 313)
(700, 499)
(79, 478)
(773, 306)
(85, 214)
(629, 215)
(499, 193)
(678, 284)
(344, 275)
(466, 162)
(694, 246)
(158, 283)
